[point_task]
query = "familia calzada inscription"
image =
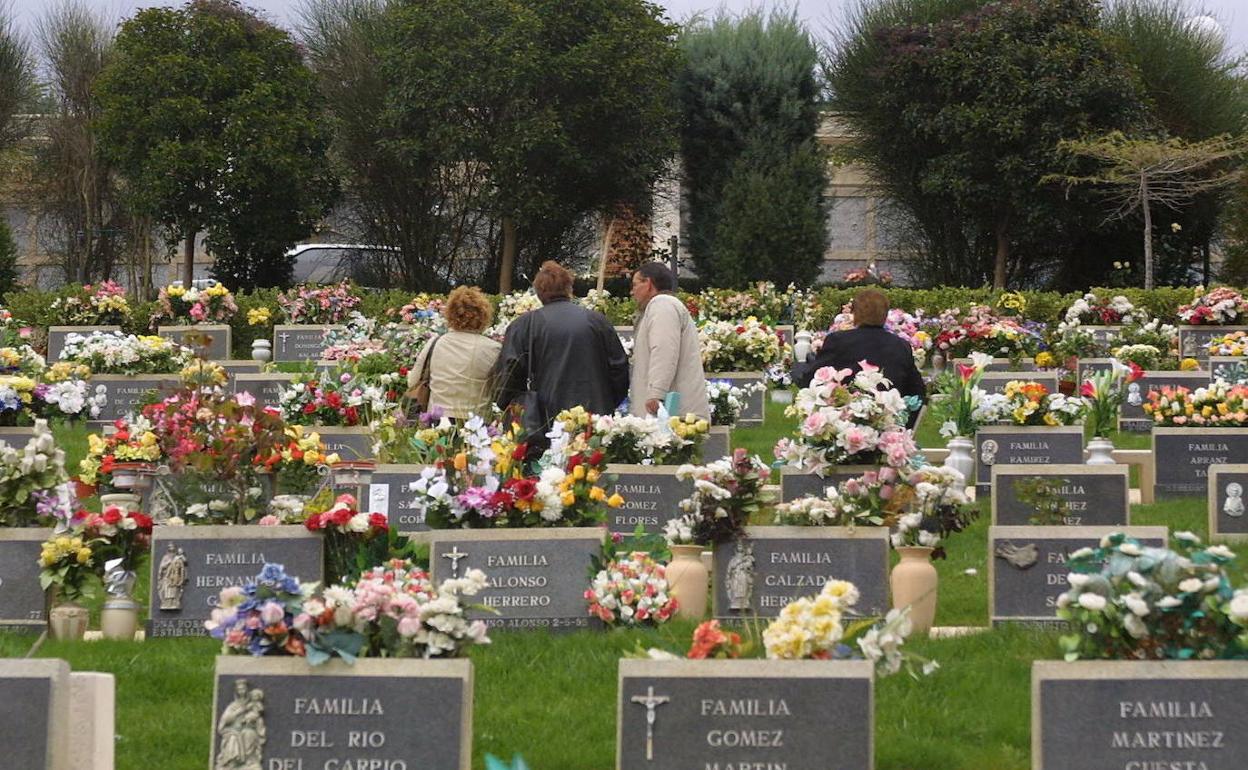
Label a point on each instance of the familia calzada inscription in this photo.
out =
(1082, 495)
(1136, 715)
(283, 714)
(744, 714)
(1182, 457)
(1024, 445)
(652, 496)
(535, 578)
(195, 563)
(759, 574)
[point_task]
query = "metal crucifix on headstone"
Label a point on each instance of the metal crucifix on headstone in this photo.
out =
(454, 555)
(650, 701)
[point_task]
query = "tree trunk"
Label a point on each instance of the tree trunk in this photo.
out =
(606, 253)
(1003, 253)
(1148, 236)
(188, 259)
(508, 265)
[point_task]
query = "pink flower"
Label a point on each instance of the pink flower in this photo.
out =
(245, 398)
(269, 521)
(815, 423)
(272, 613)
(886, 492)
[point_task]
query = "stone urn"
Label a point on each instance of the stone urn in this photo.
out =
(688, 580)
(68, 621)
(119, 618)
(262, 351)
(1100, 451)
(914, 582)
(126, 501)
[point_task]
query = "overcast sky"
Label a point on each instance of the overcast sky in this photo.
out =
(819, 14)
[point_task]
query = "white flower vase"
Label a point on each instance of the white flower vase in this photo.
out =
(262, 351)
(1100, 451)
(961, 457)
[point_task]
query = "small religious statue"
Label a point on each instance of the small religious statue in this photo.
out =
(988, 452)
(171, 577)
(1233, 506)
(740, 578)
(1134, 397)
(241, 730)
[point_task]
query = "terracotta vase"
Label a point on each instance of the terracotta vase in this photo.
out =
(68, 621)
(688, 580)
(914, 581)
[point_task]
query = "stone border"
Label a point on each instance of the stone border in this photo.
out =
(1059, 469)
(60, 703)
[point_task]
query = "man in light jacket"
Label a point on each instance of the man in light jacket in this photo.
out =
(666, 353)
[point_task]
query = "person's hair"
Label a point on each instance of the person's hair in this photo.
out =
(870, 307)
(659, 274)
(468, 310)
(552, 282)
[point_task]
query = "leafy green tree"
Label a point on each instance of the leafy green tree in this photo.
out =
(17, 80)
(754, 170)
(8, 259)
(958, 106)
(214, 121)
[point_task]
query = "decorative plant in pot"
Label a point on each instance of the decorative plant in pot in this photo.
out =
(120, 539)
(630, 589)
(68, 561)
(116, 462)
(1104, 393)
(353, 539)
(33, 482)
(631, 440)
(962, 413)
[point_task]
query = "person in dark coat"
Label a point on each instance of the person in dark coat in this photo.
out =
(868, 342)
(564, 354)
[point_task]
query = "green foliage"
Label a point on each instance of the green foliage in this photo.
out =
(8, 258)
(213, 119)
(17, 80)
(754, 172)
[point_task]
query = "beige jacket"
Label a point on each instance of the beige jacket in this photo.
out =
(459, 375)
(667, 356)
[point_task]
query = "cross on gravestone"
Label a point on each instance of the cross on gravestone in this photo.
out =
(650, 701)
(283, 337)
(454, 555)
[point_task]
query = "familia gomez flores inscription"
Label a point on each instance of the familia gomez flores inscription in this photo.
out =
(1024, 445)
(190, 566)
(1129, 715)
(744, 715)
(535, 578)
(652, 496)
(1182, 456)
(282, 714)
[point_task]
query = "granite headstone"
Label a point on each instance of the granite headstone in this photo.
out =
(299, 342)
(389, 492)
(1087, 367)
(1194, 340)
(350, 443)
(266, 387)
(219, 339)
(1228, 517)
(1021, 370)
(652, 496)
(22, 600)
(796, 483)
(1182, 457)
(35, 720)
(717, 444)
(1132, 416)
(126, 394)
(753, 412)
(1024, 445)
(57, 335)
(995, 382)
(1093, 494)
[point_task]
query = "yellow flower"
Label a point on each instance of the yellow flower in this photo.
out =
(578, 472)
(597, 494)
(703, 426)
(175, 291)
(311, 457)
(1045, 360)
(614, 501)
(1188, 365)
(568, 499)
(593, 475)
(258, 315)
(461, 461)
(84, 555)
(332, 458)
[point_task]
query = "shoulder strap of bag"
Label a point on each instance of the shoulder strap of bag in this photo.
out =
(425, 374)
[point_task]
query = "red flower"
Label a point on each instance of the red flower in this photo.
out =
(112, 515)
(378, 521)
(596, 458)
(314, 522)
(1087, 390)
(519, 452)
(965, 372)
(523, 489)
(1136, 372)
(142, 521)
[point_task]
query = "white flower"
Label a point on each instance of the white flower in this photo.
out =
(1134, 626)
(1166, 602)
(1078, 579)
(1136, 604)
(1191, 585)
(1238, 606)
(1090, 601)
(1220, 551)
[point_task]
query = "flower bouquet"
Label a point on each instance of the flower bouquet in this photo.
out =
(1091, 310)
(1220, 307)
(727, 400)
(130, 442)
(14, 333)
(25, 399)
(422, 310)
(117, 353)
(980, 329)
(92, 305)
(1130, 601)
(631, 591)
(710, 642)
(258, 617)
(350, 537)
(340, 397)
(845, 420)
(962, 409)
(1142, 356)
(180, 305)
(748, 346)
(1031, 403)
(1103, 394)
(631, 440)
(510, 308)
(67, 560)
(304, 304)
(119, 536)
(294, 461)
(726, 493)
(1218, 405)
(38, 467)
(1232, 344)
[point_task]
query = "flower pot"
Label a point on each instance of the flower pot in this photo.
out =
(82, 490)
(913, 582)
(1100, 451)
(125, 500)
(688, 580)
(68, 621)
(119, 619)
(961, 457)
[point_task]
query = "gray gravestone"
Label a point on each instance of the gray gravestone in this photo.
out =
(791, 562)
(652, 496)
(57, 335)
(1104, 335)
(16, 437)
(717, 444)
(344, 716)
(1027, 567)
(754, 410)
(1228, 519)
(1024, 445)
(995, 382)
(1086, 367)
(1182, 457)
(389, 492)
(1095, 495)
(126, 394)
(216, 557)
(1022, 370)
(235, 368)
(22, 600)
(299, 342)
(1194, 340)
(537, 577)
(354, 443)
(35, 703)
(795, 483)
(219, 343)
(1132, 417)
(747, 714)
(1232, 369)
(266, 387)
(1138, 715)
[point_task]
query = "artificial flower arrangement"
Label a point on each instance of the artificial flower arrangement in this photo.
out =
(747, 346)
(130, 442)
(119, 535)
(386, 346)
(353, 539)
(393, 610)
(510, 308)
(1030, 403)
(726, 493)
(1144, 356)
(597, 300)
(423, 309)
(867, 275)
(980, 329)
(1220, 306)
(631, 590)
(67, 560)
(100, 304)
(26, 474)
(727, 400)
(962, 409)
(1217, 405)
(908, 326)
(1232, 344)
(764, 301)
(179, 305)
(1104, 393)
(259, 316)
(30, 390)
(349, 396)
(306, 304)
(631, 440)
(118, 353)
(295, 460)
(1091, 310)
(14, 333)
(1130, 601)
(1154, 332)
(847, 419)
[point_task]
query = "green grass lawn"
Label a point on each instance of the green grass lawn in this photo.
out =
(553, 698)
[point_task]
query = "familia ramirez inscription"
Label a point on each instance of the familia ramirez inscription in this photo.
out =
(1024, 445)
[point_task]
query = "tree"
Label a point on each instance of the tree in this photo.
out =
(8, 259)
(957, 107)
(754, 171)
(213, 119)
(1137, 174)
(17, 80)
